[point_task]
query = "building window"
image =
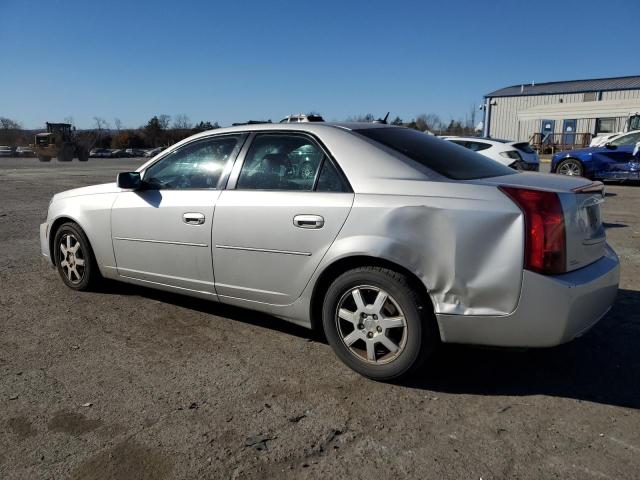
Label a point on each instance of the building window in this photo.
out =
(589, 97)
(605, 125)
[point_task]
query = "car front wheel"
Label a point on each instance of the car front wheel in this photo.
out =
(571, 167)
(74, 258)
(377, 324)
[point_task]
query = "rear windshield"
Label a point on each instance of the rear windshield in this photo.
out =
(445, 158)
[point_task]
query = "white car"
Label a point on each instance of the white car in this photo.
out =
(602, 140)
(5, 151)
(632, 124)
(517, 155)
(301, 118)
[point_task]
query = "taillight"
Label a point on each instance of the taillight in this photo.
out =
(545, 240)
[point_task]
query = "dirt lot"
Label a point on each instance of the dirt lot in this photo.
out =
(131, 383)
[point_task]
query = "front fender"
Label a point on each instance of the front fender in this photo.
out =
(93, 214)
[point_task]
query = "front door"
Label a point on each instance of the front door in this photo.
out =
(282, 211)
(162, 232)
(569, 132)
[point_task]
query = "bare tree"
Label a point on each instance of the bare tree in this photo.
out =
(428, 121)
(118, 124)
(68, 120)
(367, 118)
(8, 124)
(100, 123)
(471, 119)
(181, 122)
(164, 120)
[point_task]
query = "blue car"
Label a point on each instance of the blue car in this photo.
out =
(617, 160)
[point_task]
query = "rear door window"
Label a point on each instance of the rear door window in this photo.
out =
(284, 161)
(436, 154)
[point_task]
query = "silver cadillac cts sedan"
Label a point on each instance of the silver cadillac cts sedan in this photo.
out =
(387, 239)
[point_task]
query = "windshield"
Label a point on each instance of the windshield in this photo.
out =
(441, 156)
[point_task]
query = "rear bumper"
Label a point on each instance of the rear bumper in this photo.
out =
(552, 309)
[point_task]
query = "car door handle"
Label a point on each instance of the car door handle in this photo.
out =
(193, 218)
(308, 221)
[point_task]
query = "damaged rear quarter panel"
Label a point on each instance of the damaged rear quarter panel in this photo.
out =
(465, 242)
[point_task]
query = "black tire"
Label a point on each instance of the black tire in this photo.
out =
(42, 158)
(419, 335)
(570, 165)
(65, 154)
(85, 277)
(82, 154)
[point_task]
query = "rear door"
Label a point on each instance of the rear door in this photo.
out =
(283, 208)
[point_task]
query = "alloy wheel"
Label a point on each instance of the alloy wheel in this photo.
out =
(72, 258)
(307, 171)
(570, 168)
(371, 324)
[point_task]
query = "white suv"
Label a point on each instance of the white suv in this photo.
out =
(517, 155)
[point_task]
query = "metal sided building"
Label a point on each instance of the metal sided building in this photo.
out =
(562, 113)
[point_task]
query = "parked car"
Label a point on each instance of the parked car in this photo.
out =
(135, 152)
(6, 151)
(631, 123)
(154, 151)
(100, 153)
(617, 160)
(398, 241)
(25, 152)
(602, 140)
(517, 155)
(301, 117)
(119, 153)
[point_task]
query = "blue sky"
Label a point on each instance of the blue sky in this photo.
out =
(238, 60)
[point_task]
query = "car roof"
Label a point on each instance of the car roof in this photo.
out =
(473, 139)
(310, 126)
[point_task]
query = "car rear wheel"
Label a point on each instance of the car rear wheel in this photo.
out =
(74, 257)
(571, 167)
(377, 323)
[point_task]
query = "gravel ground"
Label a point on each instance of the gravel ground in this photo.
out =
(131, 383)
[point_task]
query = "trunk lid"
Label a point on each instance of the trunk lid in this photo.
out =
(581, 199)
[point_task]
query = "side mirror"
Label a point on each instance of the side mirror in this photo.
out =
(129, 180)
(610, 146)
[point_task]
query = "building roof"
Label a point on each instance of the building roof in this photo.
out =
(570, 86)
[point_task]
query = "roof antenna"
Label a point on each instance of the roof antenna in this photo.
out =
(383, 121)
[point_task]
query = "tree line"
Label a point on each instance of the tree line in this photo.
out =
(163, 130)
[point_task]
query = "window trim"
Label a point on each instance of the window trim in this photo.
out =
(232, 181)
(225, 171)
